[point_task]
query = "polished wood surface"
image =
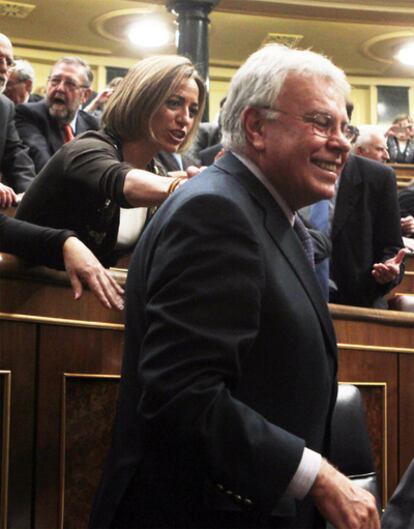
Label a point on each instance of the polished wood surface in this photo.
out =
(404, 173)
(64, 357)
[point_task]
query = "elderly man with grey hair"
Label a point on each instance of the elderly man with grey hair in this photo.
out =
(229, 372)
(371, 143)
(20, 83)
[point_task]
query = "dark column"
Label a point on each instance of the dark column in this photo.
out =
(192, 20)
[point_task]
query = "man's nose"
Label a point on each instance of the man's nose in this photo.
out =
(340, 142)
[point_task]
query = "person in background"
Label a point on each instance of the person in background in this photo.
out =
(400, 140)
(156, 107)
(20, 83)
(46, 125)
(208, 136)
(229, 369)
(97, 105)
(371, 143)
(16, 167)
(60, 249)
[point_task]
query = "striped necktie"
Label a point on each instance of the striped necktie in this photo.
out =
(305, 239)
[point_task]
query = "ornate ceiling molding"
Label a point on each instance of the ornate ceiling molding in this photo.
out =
(15, 9)
(383, 48)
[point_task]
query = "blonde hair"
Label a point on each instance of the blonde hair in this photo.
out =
(148, 84)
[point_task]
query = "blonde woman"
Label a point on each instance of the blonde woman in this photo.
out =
(157, 106)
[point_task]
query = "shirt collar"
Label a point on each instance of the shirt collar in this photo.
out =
(290, 215)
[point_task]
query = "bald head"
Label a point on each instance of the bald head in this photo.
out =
(6, 60)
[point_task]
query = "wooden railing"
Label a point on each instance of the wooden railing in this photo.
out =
(404, 173)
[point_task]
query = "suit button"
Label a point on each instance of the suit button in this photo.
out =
(229, 492)
(247, 502)
(219, 486)
(237, 498)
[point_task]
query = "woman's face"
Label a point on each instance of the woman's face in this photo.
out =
(174, 120)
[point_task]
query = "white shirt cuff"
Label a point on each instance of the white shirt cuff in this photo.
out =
(305, 474)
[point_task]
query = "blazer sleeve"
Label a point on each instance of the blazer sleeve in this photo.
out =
(387, 230)
(35, 244)
(32, 131)
(16, 165)
(204, 291)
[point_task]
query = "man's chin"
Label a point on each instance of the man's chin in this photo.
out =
(60, 113)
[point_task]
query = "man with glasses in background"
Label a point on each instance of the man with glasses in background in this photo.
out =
(20, 84)
(45, 126)
(16, 167)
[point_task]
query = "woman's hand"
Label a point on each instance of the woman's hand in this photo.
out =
(83, 267)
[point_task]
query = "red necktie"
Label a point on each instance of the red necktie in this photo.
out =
(68, 133)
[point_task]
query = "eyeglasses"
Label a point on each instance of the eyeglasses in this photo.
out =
(323, 124)
(70, 84)
(8, 60)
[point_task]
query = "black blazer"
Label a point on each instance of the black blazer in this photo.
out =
(229, 363)
(42, 133)
(366, 230)
(15, 163)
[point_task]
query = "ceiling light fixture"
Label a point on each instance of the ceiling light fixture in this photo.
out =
(406, 55)
(149, 33)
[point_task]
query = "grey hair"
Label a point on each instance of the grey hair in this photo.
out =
(87, 72)
(259, 80)
(366, 135)
(24, 70)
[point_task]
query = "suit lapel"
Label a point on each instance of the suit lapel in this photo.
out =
(348, 195)
(284, 237)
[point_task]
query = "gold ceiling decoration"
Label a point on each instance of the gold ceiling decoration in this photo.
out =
(15, 9)
(282, 38)
(112, 24)
(383, 48)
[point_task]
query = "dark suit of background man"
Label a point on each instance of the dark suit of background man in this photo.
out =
(366, 231)
(16, 168)
(366, 234)
(229, 372)
(41, 125)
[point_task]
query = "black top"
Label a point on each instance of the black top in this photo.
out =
(36, 244)
(81, 188)
(398, 156)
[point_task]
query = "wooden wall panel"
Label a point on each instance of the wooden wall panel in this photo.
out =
(5, 412)
(89, 411)
(63, 351)
(18, 355)
(406, 410)
(369, 370)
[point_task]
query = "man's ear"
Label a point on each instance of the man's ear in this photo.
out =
(29, 85)
(253, 122)
(86, 94)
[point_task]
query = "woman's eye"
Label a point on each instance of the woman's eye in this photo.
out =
(173, 103)
(193, 112)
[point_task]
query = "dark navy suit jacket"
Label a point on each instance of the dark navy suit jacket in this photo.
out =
(366, 230)
(229, 365)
